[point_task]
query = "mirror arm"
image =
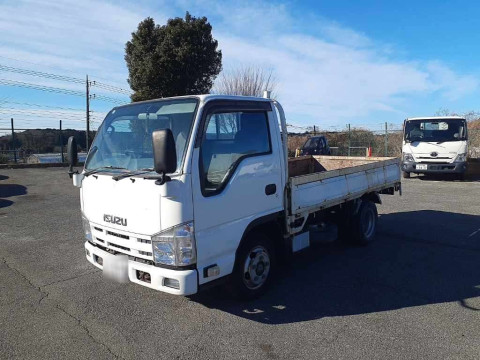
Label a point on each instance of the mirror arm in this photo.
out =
(71, 171)
(163, 178)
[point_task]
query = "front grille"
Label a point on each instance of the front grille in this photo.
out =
(118, 235)
(123, 242)
(119, 246)
(434, 158)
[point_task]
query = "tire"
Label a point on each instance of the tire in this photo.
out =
(461, 176)
(406, 175)
(254, 267)
(364, 224)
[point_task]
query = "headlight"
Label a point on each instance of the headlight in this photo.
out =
(461, 158)
(175, 246)
(86, 228)
(408, 157)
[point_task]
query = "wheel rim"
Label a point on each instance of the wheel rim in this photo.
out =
(256, 268)
(368, 223)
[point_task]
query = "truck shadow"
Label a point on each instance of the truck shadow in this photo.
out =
(448, 177)
(10, 190)
(419, 258)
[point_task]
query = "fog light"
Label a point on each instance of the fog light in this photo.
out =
(144, 276)
(171, 283)
(98, 260)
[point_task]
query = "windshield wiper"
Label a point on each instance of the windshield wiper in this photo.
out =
(132, 173)
(102, 168)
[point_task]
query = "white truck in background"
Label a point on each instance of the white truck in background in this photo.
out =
(181, 193)
(435, 145)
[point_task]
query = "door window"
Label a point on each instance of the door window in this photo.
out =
(229, 138)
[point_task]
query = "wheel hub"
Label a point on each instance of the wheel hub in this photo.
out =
(256, 268)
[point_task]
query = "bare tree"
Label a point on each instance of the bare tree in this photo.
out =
(249, 80)
(469, 115)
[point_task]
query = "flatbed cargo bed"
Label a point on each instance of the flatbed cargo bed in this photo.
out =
(319, 182)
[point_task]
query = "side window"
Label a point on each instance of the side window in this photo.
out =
(229, 137)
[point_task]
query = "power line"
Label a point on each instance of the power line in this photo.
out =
(107, 98)
(30, 72)
(51, 67)
(42, 111)
(42, 114)
(41, 87)
(58, 90)
(40, 74)
(111, 88)
(39, 105)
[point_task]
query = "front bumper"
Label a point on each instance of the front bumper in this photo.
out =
(435, 168)
(187, 279)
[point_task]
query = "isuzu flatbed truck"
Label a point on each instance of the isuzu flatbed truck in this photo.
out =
(181, 193)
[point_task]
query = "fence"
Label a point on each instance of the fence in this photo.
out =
(381, 142)
(38, 145)
(27, 145)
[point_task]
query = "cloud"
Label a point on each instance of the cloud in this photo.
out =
(451, 85)
(326, 71)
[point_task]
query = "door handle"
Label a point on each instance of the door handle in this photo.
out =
(270, 189)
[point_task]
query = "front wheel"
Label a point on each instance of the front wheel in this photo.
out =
(254, 267)
(406, 175)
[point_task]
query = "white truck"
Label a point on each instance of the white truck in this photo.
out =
(181, 193)
(435, 145)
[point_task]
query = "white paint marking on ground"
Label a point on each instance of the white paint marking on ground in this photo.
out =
(476, 231)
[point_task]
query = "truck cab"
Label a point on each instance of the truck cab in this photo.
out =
(315, 145)
(435, 145)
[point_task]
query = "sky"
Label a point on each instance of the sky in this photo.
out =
(340, 62)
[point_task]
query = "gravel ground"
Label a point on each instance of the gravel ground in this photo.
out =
(413, 294)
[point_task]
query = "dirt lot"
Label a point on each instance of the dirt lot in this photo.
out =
(413, 294)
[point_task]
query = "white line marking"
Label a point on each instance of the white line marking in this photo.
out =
(476, 231)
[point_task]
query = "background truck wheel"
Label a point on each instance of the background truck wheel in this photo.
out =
(254, 267)
(364, 223)
(406, 175)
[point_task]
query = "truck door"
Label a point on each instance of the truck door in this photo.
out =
(237, 178)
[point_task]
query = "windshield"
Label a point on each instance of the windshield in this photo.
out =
(311, 143)
(124, 139)
(436, 130)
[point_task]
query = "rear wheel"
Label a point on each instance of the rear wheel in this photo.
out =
(254, 267)
(364, 223)
(406, 175)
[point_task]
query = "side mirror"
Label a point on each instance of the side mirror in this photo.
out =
(72, 154)
(164, 152)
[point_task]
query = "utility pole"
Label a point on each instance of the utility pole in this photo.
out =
(314, 130)
(61, 141)
(13, 142)
(349, 139)
(88, 114)
(386, 139)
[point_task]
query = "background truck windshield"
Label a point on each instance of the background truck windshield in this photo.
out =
(436, 130)
(125, 137)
